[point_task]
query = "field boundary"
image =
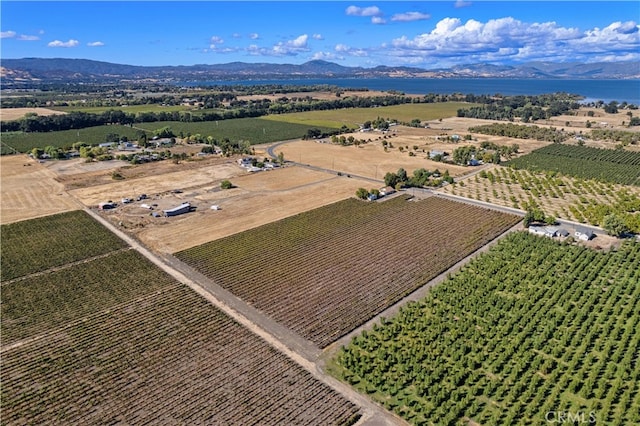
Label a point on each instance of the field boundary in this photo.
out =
(416, 295)
(371, 410)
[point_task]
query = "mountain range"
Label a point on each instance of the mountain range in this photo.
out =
(27, 71)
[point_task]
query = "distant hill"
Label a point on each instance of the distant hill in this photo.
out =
(23, 71)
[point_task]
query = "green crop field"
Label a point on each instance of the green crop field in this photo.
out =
(352, 117)
(36, 245)
(25, 142)
(326, 271)
(113, 339)
(530, 328)
(607, 165)
(254, 130)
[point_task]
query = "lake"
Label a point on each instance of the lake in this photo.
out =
(592, 90)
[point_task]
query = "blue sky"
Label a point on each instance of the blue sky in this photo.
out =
(426, 34)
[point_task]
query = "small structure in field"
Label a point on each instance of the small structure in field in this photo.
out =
(107, 206)
(387, 190)
(181, 209)
(583, 234)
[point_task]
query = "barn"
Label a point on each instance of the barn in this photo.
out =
(182, 208)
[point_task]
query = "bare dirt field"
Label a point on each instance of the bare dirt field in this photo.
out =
(8, 114)
(258, 199)
(75, 174)
(29, 190)
(371, 160)
(157, 183)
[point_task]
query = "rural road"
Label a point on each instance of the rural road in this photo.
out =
(301, 351)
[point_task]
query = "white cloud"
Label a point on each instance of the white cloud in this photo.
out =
(7, 34)
(461, 3)
(287, 48)
(410, 17)
(25, 37)
(343, 48)
(95, 44)
(254, 36)
(236, 35)
(363, 11)
(58, 43)
(216, 40)
(511, 40)
(299, 42)
(327, 56)
(317, 37)
(377, 20)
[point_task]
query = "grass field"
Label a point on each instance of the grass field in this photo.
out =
(254, 130)
(25, 142)
(324, 272)
(533, 327)
(352, 117)
(113, 339)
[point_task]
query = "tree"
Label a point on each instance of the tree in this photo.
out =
(226, 184)
(281, 157)
(614, 225)
(402, 175)
(391, 179)
(362, 193)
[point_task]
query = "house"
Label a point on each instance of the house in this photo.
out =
(537, 230)
(583, 234)
(387, 190)
(182, 208)
(435, 153)
(245, 162)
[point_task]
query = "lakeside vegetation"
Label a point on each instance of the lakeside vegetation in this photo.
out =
(531, 327)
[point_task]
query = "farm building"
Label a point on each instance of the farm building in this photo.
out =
(548, 231)
(182, 208)
(435, 153)
(107, 206)
(583, 234)
(245, 162)
(387, 190)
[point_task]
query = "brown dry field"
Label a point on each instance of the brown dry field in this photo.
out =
(75, 174)
(29, 190)
(370, 159)
(156, 183)
(7, 114)
(258, 199)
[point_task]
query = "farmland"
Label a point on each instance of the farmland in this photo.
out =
(51, 241)
(30, 190)
(169, 357)
(355, 116)
(253, 130)
(108, 337)
(324, 272)
(530, 327)
(566, 197)
(616, 166)
(25, 142)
